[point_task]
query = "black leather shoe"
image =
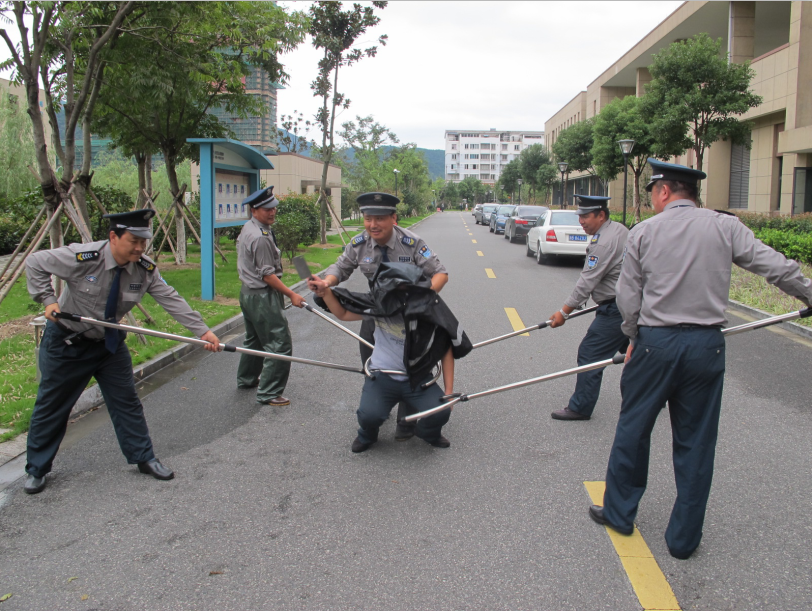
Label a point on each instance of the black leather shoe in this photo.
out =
(441, 442)
(596, 513)
(155, 469)
(359, 446)
(34, 485)
(568, 414)
(404, 431)
(681, 555)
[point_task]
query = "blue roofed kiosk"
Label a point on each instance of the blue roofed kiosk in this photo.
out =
(229, 172)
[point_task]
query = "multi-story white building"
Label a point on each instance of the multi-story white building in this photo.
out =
(483, 154)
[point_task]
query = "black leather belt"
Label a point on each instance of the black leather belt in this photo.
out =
(686, 325)
(606, 301)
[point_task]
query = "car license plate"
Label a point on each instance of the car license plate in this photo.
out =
(577, 238)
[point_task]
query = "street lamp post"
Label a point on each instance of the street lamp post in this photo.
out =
(396, 171)
(520, 191)
(562, 167)
(626, 147)
(435, 197)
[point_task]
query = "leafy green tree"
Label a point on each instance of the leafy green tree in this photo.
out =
(451, 194)
(472, 190)
(695, 96)
(574, 145)
(334, 32)
(546, 179)
(184, 60)
(293, 135)
(622, 119)
(509, 178)
(62, 47)
(369, 141)
(16, 150)
(414, 174)
(531, 161)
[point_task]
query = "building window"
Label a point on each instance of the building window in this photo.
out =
(474, 167)
(504, 157)
(475, 156)
(466, 146)
(802, 190)
(515, 147)
(739, 176)
(454, 156)
(453, 147)
(466, 166)
(504, 147)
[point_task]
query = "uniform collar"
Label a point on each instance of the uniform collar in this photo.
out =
(110, 262)
(679, 203)
(260, 225)
(393, 239)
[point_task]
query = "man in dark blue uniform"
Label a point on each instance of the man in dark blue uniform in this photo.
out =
(598, 279)
(672, 292)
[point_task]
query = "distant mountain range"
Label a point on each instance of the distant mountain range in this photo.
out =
(435, 158)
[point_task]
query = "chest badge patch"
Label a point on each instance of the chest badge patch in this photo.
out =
(89, 255)
(91, 278)
(595, 238)
(404, 259)
(425, 252)
(135, 287)
(592, 261)
(367, 260)
(408, 241)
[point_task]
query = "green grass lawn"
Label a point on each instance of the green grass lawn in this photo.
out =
(18, 386)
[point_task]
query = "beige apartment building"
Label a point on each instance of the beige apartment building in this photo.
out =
(775, 174)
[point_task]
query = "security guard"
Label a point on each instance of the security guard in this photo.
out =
(382, 240)
(598, 278)
(672, 294)
(259, 264)
(105, 280)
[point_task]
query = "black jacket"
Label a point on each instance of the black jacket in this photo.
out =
(431, 328)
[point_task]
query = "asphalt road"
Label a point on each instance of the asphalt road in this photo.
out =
(270, 509)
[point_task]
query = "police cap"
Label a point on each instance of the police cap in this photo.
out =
(264, 198)
(672, 171)
(377, 203)
(136, 222)
(591, 203)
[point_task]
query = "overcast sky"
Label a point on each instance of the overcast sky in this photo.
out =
(476, 65)
(472, 65)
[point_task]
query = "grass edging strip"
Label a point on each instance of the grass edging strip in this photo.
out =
(756, 313)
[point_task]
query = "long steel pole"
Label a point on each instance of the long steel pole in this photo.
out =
(542, 325)
(615, 360)
(202, 342)
(310, 308)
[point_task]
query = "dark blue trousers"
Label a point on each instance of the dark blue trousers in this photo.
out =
(382, 393)
(66, 370)
(683, 367)
(602, 341)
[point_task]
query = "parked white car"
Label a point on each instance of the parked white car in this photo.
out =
(557, 233)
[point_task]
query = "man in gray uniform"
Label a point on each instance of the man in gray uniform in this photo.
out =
(598, 278)
(104, 280)
(382, 240)
(262, 296)
(672, 292)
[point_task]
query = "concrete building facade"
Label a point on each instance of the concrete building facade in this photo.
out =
(483, 154)
(775, 174)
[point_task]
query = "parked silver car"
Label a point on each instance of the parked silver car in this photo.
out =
(483, 217)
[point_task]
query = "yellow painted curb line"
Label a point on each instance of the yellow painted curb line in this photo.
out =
(516, 321)
(652, 588)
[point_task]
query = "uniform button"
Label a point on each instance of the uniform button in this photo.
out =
(718, 351)
(646, 349)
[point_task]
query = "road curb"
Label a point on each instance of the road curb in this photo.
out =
(756, 313)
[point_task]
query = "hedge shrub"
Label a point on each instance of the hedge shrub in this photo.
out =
(796, 246)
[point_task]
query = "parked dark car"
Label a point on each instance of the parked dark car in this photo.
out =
(483, 216)
(521, 221)
(499, 217)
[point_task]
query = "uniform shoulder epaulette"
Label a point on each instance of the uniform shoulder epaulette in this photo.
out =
(146, 264)
(594, 239)
(264, 231)
(88, 255)
(359, 239)
(408, 241)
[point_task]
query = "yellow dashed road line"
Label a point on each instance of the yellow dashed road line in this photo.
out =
(474, 241)
(516, 321)
(490, 273)
(479, 253)
(652, 588)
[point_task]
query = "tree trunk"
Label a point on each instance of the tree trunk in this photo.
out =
(700, 153)
(141, 200)
(180, 228)
(636, 198)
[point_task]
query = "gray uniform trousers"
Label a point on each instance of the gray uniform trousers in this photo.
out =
(266, 329)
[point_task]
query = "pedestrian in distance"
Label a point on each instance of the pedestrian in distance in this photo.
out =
(382, 241)
(104, 280)
(262, 301)
(414, 329)
(672, 293)
(597, 280)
